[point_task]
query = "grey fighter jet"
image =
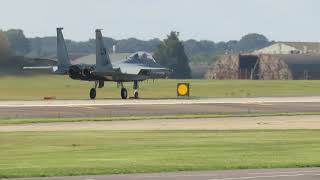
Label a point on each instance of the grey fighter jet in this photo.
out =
(138, 67)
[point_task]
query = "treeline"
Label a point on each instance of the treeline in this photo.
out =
(14, 42)
(197, 51)
(207, 51)
(46, 46)
(171, 52)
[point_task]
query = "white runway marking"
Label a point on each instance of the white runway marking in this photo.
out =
(274, 176)
(286, 172)
(82, 103)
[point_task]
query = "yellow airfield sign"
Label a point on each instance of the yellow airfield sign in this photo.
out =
(183, 89)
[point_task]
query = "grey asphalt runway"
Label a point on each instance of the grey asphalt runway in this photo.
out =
(270, 174)
(105, 108)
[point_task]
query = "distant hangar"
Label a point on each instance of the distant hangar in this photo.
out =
(291, 48)
(279, 61)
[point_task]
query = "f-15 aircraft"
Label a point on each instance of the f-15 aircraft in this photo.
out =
(138, 67)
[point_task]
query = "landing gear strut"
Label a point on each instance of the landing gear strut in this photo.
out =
(124, 92)
(135, 88)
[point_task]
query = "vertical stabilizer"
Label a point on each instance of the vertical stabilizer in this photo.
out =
(62, 52)
(102, 55)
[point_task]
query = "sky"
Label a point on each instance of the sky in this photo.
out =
(216, 20)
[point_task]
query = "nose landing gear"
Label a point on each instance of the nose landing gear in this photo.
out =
(135, 88)
(136, 94)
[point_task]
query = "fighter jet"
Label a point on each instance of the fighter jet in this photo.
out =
(138, 67)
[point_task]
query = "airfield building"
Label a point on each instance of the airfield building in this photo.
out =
(291, 48)
(280, 61)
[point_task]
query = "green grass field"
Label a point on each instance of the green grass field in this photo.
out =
(28, 154)
(37, 87)
(11, 121)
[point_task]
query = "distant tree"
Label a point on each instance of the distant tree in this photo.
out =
(171, 54)
(193, 47)
(18, 42)
(202, 58)
(44, 47)
(132, 45)
(251, 42)
(4, 45)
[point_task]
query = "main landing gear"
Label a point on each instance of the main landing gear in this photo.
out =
(93, 91)
(123, 92)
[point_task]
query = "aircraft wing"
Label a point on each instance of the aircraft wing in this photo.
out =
(153, 72)
(135, 69)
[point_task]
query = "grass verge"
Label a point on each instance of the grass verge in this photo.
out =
(30, 154)
(62, 87)
(10, 121)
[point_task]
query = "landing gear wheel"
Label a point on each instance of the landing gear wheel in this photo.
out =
(93, 93)
(124, 93)
(136, 94)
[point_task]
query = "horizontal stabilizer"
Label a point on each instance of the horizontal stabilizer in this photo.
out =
(53, 69)
(40, 67)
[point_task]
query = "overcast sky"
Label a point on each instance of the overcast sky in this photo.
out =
(218, 20)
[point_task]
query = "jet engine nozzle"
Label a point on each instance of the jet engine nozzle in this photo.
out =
(75, 72)
(88, 72)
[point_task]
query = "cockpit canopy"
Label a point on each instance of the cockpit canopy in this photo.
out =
(141, 57)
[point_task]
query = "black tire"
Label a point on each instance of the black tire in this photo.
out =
(124, 93)
(93, 93)
(136, 95)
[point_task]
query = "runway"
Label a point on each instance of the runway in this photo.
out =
(270, 174)
(105, 108)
